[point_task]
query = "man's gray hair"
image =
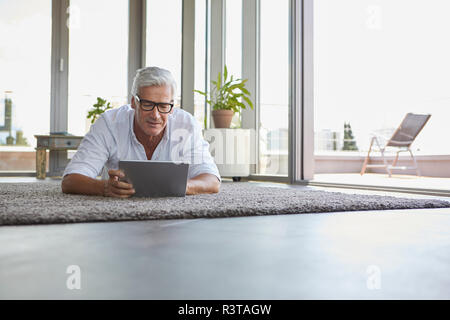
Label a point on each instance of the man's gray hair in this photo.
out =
(153, 76)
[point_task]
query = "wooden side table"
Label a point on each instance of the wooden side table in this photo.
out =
(52, 142)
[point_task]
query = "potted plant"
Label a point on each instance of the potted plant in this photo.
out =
(227, 97)
(101, 106)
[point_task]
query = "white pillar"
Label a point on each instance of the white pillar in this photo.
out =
(188, 57)
(250, 71)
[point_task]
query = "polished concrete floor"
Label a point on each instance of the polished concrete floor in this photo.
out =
(397, 254)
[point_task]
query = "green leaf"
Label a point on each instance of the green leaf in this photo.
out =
(241, 105)
(201, 92)
(249, 102)
(219, 81)
(235, 86)
(225, 74)
(245, 91)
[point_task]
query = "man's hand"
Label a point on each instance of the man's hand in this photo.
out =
(115, 188)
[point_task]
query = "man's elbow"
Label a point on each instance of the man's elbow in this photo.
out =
(216, 186)
(65, 184)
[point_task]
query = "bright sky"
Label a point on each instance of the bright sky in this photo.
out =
(274, 65)
(98, 57)
(376, 60)
(164, 24)
(233, 41)
(25, 33)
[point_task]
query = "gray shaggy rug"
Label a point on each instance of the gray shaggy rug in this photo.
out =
(44, 203)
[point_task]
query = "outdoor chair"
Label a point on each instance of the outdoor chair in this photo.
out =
(402, 139)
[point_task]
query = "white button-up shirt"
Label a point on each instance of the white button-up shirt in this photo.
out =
(111, 138)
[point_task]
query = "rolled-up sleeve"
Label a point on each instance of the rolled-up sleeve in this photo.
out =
(93, 153)
(199, 156)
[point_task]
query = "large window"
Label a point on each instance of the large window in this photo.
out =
(376, 61)
(274, 87)
(25, 50)
(233, 40)
(97, 57)
(164, 28)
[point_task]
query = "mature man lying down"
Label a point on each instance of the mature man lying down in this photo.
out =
(148, 129)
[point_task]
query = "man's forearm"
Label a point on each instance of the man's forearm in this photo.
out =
(203, 183)
(80, 184)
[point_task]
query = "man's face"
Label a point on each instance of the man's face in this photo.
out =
(152, 123)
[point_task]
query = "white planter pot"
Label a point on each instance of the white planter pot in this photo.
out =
(230, 149)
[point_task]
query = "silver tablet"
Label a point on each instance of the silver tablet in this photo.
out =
(156, 178)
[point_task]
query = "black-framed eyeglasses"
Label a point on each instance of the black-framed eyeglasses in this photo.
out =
(147, 105)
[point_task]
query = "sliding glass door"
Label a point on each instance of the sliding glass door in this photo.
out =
(375, 62)
(274, 87)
